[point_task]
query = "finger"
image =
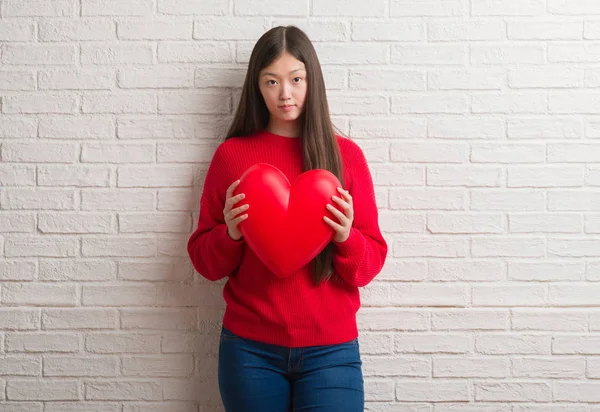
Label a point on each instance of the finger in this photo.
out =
(239, 210)
(231, 188)
(341, 217)
(233, 200)
(337, 227)
(238, 219)
(345, 194)
(345, 205)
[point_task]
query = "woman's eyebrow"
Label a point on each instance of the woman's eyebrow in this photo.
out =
(273, 74)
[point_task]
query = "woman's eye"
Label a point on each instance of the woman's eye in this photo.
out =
(269, 82)
(297, 79)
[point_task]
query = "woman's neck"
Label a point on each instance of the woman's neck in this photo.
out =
(287, 129)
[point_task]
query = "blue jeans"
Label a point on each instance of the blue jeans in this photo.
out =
(255, 376)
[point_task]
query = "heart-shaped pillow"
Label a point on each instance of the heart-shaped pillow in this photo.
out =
(285, 226)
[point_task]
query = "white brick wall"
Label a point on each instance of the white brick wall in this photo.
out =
(480, 120)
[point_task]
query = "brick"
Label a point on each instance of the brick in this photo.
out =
(544, 128)
(432, 102)
(18, 127)
(32, 199)
(316, 30)
(39, 103)
(354, 105)
(155, 222)
(81, 366)
(573, 7)
(195, 52)
(194, 102)
(572, 294)
(33, 54)
(123, 391)
(518, 344)
(78, 318)
(119, 342)
(508, 7)
(18, 80)
(544, 223)
(573, 52)
(545, 271)
(432, 8)
(591, 30)
(457, 223)
(376, 319)
(79, 127)
(577, 391)
(364, 79)
(405, 32)
(513, 102)
(38, 8)
(497, 55)
(84, 79)
(432, 54)
(47, 246)
(79, 176)
(79, 223)
(428, 391)
(116, 8)
(116, 54)
(470, 319)
(39, 294)
(535, 77)
(117, 199)
(507, 153)
(20, 366)
(161, 366)
(423, 152)
(470, 367)
(388, 175)
(459, 79)
(58, 270)
(155, 270)
(576, 345)
(554, 367)
(508, 247)
(118, 246)
(519, 200)
(431, 343)
(513, 392)
(18, 30)
(354, 53)
(185, 152)
(17, 270)
(42, 390)
(118, 153)
(39, 152)
(471, 270)
(472, 30)
(19, 319)
(428, 294)
(378, 390)
(545, 30)
(388, 127)
(536, 176)
(426, 199)
(42, 342)
(396, 366)
(154, 30)
(17, 175)
(475, 127)
(58, 30)
(500, 295)
(193, 7)
(234, 28)
(17, 222)
(170, 77)
(153, 176)
(160, 319)
(469, 176)
(130, 102)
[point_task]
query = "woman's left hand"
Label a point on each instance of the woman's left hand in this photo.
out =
(342, 228)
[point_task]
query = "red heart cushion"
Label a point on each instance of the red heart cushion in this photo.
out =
(285, 226)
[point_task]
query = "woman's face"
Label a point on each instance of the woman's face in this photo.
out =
(283, 87)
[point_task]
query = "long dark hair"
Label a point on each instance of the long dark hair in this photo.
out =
(319, 144)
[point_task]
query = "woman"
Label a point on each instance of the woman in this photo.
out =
(288, 343)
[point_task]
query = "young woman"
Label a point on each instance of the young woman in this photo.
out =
(288, 343)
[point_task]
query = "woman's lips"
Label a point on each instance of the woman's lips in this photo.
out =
(287, 108)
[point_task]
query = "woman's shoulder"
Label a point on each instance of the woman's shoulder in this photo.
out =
(349, 149)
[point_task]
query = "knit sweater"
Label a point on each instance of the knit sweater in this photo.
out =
(289, 311)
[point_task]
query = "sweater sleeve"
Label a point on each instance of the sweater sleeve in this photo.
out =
(214, 254)
(361, 257)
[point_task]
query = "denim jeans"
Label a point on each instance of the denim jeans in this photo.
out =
(260, 377)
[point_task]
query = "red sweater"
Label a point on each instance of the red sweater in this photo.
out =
(290, 311)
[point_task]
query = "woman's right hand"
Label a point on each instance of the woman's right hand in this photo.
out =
(231, 215)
